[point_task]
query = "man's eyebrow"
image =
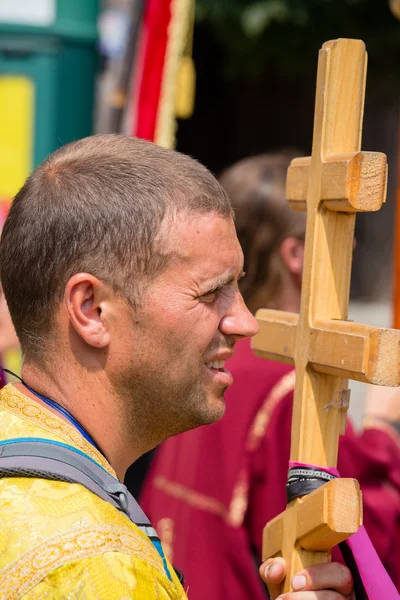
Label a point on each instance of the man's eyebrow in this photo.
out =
(222, 281)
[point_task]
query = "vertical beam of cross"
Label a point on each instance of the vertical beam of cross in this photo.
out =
(328, 247)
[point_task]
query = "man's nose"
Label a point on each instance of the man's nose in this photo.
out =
(239, 322)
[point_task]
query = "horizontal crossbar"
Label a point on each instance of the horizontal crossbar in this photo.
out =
(341, 348)
(353, 182)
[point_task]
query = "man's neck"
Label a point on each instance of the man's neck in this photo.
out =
(90, 401)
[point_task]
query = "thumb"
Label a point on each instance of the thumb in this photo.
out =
(273, 572)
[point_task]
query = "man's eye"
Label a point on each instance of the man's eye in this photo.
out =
(209, 296)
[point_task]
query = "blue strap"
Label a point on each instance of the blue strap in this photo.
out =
(63, 411)
(55, 406)
(159, 548)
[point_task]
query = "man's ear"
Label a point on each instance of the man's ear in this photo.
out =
(86, 299)
(292, 254)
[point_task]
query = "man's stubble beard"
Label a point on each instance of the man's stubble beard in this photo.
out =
(155, 408)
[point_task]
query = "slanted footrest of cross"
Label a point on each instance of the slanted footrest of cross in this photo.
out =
(316, 522)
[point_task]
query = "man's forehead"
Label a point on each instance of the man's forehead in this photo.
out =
(192, 233)
(207, 245)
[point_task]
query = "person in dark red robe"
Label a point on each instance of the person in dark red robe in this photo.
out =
(210, 491)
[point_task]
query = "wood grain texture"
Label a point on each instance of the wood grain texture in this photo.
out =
(364, 353)
(321, 519)
(335, 183)
(354, 182)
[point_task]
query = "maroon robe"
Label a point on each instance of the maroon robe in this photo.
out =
(210, 491)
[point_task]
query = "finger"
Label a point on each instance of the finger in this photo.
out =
(331, 576)
(273, 571)
(321, 595)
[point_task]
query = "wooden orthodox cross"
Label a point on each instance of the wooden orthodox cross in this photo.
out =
(335, 183)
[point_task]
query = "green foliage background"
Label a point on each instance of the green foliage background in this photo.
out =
(257, 34)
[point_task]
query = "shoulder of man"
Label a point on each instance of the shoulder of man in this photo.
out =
(61, 534)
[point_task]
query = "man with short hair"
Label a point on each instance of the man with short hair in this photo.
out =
(120, 265)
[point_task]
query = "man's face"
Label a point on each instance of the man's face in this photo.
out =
(174, 348)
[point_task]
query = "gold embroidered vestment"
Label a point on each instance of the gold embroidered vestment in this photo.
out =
(58, 540)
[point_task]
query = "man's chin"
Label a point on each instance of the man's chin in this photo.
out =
(212, 412)
(203, 409)
(216, 408)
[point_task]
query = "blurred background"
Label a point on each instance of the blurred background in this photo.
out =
(242, 72)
